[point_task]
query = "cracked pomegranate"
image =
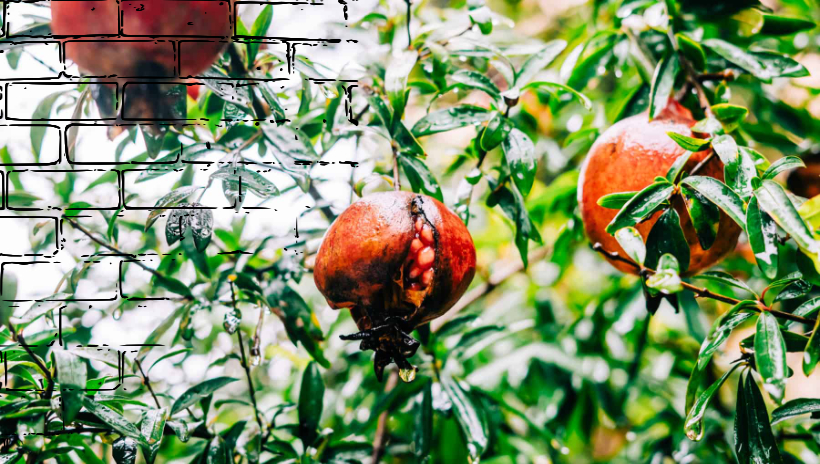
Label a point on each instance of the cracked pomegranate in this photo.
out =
(397, 260)
(626, 158)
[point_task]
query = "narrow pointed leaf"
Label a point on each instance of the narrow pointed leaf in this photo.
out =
(720, 194)
(770, 355)
(762, 232)
(642, 205)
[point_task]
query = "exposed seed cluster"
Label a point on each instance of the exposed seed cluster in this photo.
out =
(422, 256)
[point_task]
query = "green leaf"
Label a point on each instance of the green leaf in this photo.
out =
(423, 422)
(762, 232)
(408, 143)
(299, 320)
(782, 165)
(259, 29)
(171, 199)
(285, 141)
(720, 194)
(812, 353)
(519, 152)
(730, 116)
(705, 216)
(72, 375)
(512, 203)
(632, 243)
(770, 355)
(557, 89)
(252, 180)
(124, 450)
(641, 206)
(43, 114)
(783, 25)
(451, 118)
(538, 61)
(719, 333)
(311, 401)
(754, 441)
(726, 279)
(662, 84)
(739, 170)
(175, 161)
(420, 177)
(689, 143)
(774, 200)
(795, 343)
(692, 51)
(589, 67)
(470, 420)
(395, 81)
(198, 392)
(152, 427)
(112, 418)
(796, 407)
(8, 292)
(667, 236)
(478, 81)
(666, 279)
(616, 200)
(159, 331)
(496, 131)
(763, 65)
(806, 309)
(693, 427)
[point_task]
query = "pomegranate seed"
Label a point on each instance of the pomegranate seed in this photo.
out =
(416, 245)
(427, 277)
(427, 235)
(415, 286)
(425, 258)
(419, 224)
(414, 272)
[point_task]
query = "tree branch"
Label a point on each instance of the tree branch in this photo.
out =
(702, 292)
(380, 439)
(147, 383)
(49, 389)
(245, 363)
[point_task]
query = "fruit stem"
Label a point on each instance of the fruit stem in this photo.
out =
(396, 177)
(702, 292)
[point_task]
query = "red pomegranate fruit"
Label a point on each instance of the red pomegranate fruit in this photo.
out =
(626, 158)
(397, 260)
(157, 39)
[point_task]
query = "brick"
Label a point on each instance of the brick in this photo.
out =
(17, 139)
(18, 20)
(113, 53)
(23, 225)
(36, 279)
(41, 55)
(21, 94)
(39, 181)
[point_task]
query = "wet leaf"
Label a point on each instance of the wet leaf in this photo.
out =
(762, 232)
(705, 216)
(470, 420)
(72, 375)
(641, 206)
(693, 427)
(632, 243)
(152, 428)
(667, 236)
(451, 118)
(720, 194)
(311, 401)
(168, 200)
(770, 355)
(519, 152)
(124, 450)
(198, 392)
(662, 84)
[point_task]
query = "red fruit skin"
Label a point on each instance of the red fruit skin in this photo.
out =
(627, 157)
(164, 20)
(365, 249)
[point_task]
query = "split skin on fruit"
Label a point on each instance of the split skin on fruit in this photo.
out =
(397, 260)
(147, 47)
(627, 157)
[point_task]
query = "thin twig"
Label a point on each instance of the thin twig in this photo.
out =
(380, 438)
(691, 74)
(702, 163)
(110, 247)
(396, 177)
(147, 383)
(703, 292)
(49, 390)
(484, 289)
(245, 364)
